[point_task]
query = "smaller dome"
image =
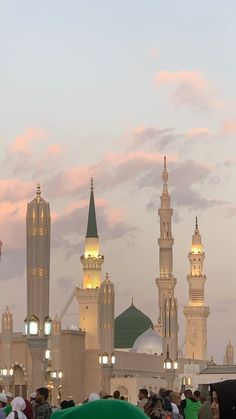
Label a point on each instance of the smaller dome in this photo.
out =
(148, 342)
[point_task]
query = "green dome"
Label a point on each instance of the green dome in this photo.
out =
(129, 325)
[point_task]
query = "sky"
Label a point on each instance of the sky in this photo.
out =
(106, 89)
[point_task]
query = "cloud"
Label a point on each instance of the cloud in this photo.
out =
(54, 149)
(21, 144)
(68, 230)
(13, 262)
(190, 89)
(13, 190)
(19, 153)
(186, 180)
(151, 136)
(113, 170)
(228, 128)
(65, 282)
(154, 51)
(198, 133)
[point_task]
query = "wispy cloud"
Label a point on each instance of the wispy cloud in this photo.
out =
(151, 137)
(190, 89)
(198, 133)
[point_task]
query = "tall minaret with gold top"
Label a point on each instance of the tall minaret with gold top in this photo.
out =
(88, 296)
(38, 225)
(196, 312)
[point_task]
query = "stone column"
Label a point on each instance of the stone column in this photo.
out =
(106, 378)
(37, 347)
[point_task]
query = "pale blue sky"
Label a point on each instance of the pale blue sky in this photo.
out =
(86, 74)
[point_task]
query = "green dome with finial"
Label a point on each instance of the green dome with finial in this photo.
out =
(129, 325)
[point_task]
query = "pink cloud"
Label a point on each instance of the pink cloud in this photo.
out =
(154, 51)
(198, 132)
(54, 149)
(114, 169)
(191, 88)
(13, 190)
(12, 224)
(228, 127)
(21, 142)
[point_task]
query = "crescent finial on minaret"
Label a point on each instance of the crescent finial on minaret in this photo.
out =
(196, 224)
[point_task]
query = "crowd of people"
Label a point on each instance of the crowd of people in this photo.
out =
(218, 403)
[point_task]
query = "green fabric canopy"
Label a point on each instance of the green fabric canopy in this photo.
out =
(101, 409)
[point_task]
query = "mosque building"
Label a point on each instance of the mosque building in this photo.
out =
(123, 353)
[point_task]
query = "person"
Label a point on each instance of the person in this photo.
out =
(175, 400)
(8, 408)
(116, 395)
(33, 402)
(93, 397)
(143, 398)
(197, 394)
(223, 397)
(42, 408)
(65, 404)
(190, 405)
(3, 402)
(165, 397)
(102, 394)
(9, 397)
(215, 406)
(18, 405)
(28, 411)
(155, 408)
(205, 411)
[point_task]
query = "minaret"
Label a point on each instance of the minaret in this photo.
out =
(38, 222)
(107, 299)
(7, 331)
(166, 281)
(91, 260)
(88, 297)
(229, 355)
(196, 312)
(170, 326)
(55, 338)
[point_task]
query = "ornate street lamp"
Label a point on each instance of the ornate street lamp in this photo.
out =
(5, 372)
(113, 359)
(168, 361)
(103, 358)
(47, 326)
(56, 374)
(176, 364)
(32, 325)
